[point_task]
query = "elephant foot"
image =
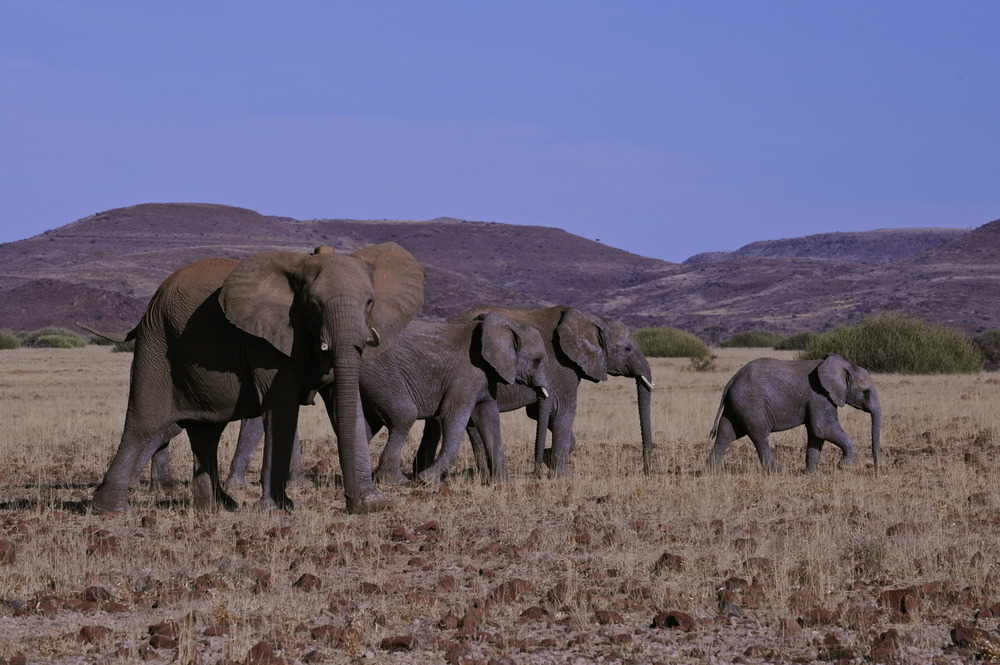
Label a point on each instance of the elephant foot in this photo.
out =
(429, 477)
(388, 476)
(266, 504)
(106, 502)
(846, 463)
(371, 501)
(236, 482)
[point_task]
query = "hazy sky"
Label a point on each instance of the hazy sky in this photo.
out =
(664, 128)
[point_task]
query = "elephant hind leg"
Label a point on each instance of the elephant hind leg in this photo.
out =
(389, 469)
(205, 484)
(814, 446)
(761, 444)
(725, 434)
(427, 452)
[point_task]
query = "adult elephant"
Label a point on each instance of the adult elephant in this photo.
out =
(224, 340)
(580, 346)
(443, 371)
(770, 395)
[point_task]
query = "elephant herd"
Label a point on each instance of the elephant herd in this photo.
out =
(252, 341)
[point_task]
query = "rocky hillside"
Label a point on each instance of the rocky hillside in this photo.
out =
(105, 267)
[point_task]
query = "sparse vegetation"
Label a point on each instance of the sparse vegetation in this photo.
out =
(900, 344)
(989, 345)
(797, 342)
(670, 343)
(606, 565)
(9, 340)
(754, 339)
(53, 337)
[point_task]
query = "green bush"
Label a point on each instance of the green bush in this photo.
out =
(124, 347)
(797, 342)
(670, 343)
(58, 341)
(97, 340)
(901, 344)
(48, 337)
(989, 345)
(754, 339)
(9, 340)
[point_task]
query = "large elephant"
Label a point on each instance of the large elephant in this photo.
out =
(441, 371)
(580, 346)
(224, 340)
(770, 395)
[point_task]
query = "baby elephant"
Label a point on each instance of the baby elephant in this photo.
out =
(769, 395)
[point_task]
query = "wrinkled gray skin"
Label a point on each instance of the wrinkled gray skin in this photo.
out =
(223, 340)
(769, 395)
(251, 433)
(443, 371)
(580, 346)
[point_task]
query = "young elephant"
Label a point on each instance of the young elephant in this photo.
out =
(443, 371)
(769, 395)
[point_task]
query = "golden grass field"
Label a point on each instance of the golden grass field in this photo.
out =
(841, 566)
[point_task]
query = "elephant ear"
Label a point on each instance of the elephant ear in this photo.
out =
(499, 345)
(833, 375)
(581, 338)
(258, 298)
(398, 285)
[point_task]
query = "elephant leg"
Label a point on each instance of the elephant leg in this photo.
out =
(157, 454)
(280, 423)
(360, 492)
(541, 412)
(479, 452)
(453, 424)
(814, 446)
(832, 432)
(486, 417)
(767, 460)
(112, 493)
(251, 434)
(389, 469)
(563, 438)
(427, 452)
(205, 484)
(725, 433)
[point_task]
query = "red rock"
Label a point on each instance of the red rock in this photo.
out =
(509, 591)
(789, 627)
(534, 613)
(674, 619)
(456, 652)
(668, 561)
(606, 617)
(885, 648)
(95, 594)
(92, 634)
(449, 622)
(976, 639)
(8, 552)
(447, 583)
(308, 582)
(166, 629)
(262, 654)
(398, 643)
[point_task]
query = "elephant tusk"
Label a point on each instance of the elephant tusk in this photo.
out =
(646, 382)
(323, 346)
(544, 392)
(375, 339)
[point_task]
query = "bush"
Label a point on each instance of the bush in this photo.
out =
(754, 339)
(9, 340)
(989, 345)
(53, 337)
(901, 344)
(670, 343)
(97, 340)
(797, 342)
(58, 341)
(124, 347)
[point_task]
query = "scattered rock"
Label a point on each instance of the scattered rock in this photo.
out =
(398, 643)
(675, 620)
(308, 582)
(508, 591)
(8, 552)
(668, 561)
(92, 634)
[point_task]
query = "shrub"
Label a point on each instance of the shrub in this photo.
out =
(9, 340)
(754, 339)
(52, 337)
(989, 345)
(97, 340)
(798, 342)
(897, 343)
(124, 347)
(55, 341)
(670, 343)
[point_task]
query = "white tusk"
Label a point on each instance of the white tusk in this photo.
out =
(323, 346)
(545, 393)
(649, 384)
(374, 340)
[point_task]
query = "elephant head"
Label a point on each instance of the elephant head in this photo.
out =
(625, 358)
(333, 309)
(515, 351)
(846, 383)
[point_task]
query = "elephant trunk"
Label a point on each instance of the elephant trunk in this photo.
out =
(876, 410)
(644, 389)
(352, 446)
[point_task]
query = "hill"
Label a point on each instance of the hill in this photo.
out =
(104, 268)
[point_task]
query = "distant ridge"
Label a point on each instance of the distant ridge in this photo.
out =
(103, 268)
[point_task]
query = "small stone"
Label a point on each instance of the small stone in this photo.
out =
(92, 634)
(674, 619)
(398, 643)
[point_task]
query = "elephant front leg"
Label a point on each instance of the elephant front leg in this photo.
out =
(764, 454)
(389, 469)
(280, 424)
(833, 433)
(486, 417)
(205, 484)
(112, 494)
(453, 426)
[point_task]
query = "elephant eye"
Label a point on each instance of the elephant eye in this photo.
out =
(536, 362)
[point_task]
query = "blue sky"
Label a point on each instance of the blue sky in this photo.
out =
(663, 128)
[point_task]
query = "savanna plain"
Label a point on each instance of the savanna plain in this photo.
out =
(606, 565)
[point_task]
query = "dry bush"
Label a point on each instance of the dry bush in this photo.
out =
(812, 568)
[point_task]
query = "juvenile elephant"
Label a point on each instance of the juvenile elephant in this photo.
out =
(441, 371)
(580, 346)
(223, 340)
(769, 395)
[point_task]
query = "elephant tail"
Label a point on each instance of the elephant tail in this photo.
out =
(114, 337)
(722, 407)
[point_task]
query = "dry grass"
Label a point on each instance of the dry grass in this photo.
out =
(544, 571)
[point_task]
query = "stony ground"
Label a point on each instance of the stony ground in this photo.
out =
(604, 566)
